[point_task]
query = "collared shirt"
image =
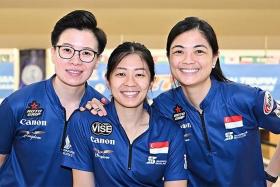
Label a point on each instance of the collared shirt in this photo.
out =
(223, 142)
(31, 132)
(100, 145)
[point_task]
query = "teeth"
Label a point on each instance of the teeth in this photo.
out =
(73, 71)
(189, 70)
(129, 93)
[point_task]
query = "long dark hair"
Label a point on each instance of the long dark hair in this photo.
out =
(191, 23)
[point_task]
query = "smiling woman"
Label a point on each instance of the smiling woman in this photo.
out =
(34, 118)
(133, 145)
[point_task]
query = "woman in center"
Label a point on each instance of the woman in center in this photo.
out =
(132, 145)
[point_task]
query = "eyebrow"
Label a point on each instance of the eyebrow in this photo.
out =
(83, 48)
(134, 69)
(196, 46)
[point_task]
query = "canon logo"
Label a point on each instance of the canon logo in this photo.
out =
(102, 141)
(33, 122)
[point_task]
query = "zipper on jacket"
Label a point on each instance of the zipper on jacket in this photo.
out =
(130, 146)
(204, 130)
(64, 131)
(129, 156)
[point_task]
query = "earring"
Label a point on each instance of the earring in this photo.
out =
(213, 66)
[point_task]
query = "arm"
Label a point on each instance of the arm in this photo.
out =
(2, 159)
(7, 130)
(176, 173)
(181, 183)
(77, 150)
(273, 167)
(82, 178)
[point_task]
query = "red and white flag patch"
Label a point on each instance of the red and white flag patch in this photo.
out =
(159, 147)
(268, 103)
(232, 122)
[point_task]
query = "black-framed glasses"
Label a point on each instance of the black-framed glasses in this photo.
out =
(67, 52)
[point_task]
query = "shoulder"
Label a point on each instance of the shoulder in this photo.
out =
(82, 116)
(164, 122)
(168, 98)
(19, 96)
(239, 91)
(168, 95)
(93, 93)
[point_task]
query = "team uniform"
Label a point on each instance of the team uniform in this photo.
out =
(31, 132)
(223, 142)
(100, 145)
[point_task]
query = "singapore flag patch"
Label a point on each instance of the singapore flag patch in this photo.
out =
(159, 147)
(232, 122)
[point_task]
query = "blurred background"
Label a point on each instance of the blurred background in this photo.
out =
(248, 33)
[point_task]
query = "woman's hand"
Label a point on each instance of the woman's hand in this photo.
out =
(96, 107)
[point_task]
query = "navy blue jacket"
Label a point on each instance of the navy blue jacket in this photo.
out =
(100, 145)
(32, 122)
(223, 142)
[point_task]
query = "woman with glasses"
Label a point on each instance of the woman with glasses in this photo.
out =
(132, 145)
(34, 119)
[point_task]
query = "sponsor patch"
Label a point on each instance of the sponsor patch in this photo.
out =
(33, 122)
(36, 135)
(101, 128)
(67, 143)
(232, 122)
(102, 154)
(186, 126)
(179, 113)
(267, 103)
(154, 161)
(277, 110)
(159, 147)
(67, 148)
(231, 136)
(34, 110)
(102, 141)
(187, 136)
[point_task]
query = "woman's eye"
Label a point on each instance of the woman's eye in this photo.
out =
(67, 50)
(178, 52)
(140, 75)
(199, 52)
(120, 74)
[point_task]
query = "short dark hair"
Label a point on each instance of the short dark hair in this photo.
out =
(191, 23)
(81, 20)
(126, 49)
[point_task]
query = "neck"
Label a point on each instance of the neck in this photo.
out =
(69, 96)
(135, 121)
(196, 94)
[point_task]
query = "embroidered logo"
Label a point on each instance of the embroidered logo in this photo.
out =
(32, 134)
(102, 154)
(153, 160)
(267, 103)
(67, 151)
(277, 110)
(34, 109)
(179, 113)
(101, 128)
